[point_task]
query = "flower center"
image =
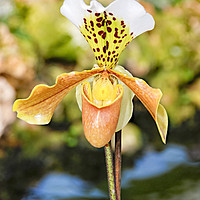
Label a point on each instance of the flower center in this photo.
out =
(107, 35)
(105, 89)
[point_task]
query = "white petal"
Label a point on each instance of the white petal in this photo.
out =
(133, 14)
(95, 6)
(76, 10)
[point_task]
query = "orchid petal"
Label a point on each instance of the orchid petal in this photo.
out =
(108, 30)
(99, 122)
(38, 108)
(133, 14)
(150, 98)
(76, 10)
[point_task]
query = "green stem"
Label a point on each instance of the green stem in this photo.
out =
(118, 161)
(110, 171)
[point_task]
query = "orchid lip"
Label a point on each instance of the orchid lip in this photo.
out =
(100, 122)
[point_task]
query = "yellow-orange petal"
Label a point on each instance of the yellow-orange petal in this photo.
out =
(38, 108)
(150, 97)
(100, 122)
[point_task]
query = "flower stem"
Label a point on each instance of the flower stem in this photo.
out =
(110, 171)
(118, 163)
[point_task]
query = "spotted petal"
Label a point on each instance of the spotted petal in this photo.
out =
(108, 30)
(38, 108)
(150, 97)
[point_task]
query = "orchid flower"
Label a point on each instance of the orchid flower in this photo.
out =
(104, 93)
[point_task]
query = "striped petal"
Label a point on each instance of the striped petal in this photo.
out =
(150, 98)
(38, 108)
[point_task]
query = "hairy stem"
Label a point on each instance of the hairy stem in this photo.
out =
(118, 163)
(110, 171)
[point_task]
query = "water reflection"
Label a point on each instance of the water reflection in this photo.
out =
(63, 186)
(166, 175)
(156, 163)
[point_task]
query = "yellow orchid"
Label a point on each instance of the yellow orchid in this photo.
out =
(104, 93)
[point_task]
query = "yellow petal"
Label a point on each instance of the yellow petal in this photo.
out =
(38, 108)
(150, 97)
(100, 122)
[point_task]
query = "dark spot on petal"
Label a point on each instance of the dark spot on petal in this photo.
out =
(105, 14)
(109, 29)
(95, 40)
(108, 22)
(122, 22)
(107, 45)
(94, 50)
(92, 29)
(98, 50)
(113, 52)
(124, 36)
(103, 59)
(104, 49)
(119, 41)
(111, 60)
(97, 14)
(117, 47)
(85, 21)
(104, 35)
(89, 37)
(99, 19)
(115, 41)
(110, 13)
(109, 53)
(94, 35)
(116, 35)
(108, 59)
(89, 11)
(100, 32)
(92, 23)
(131, 33)
(122, 31)
(99, 25)
(124, 26)
(114, 18)
(101, 55)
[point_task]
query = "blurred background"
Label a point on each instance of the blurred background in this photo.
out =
(55, 161)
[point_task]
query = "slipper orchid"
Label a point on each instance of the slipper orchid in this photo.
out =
(106, 97)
